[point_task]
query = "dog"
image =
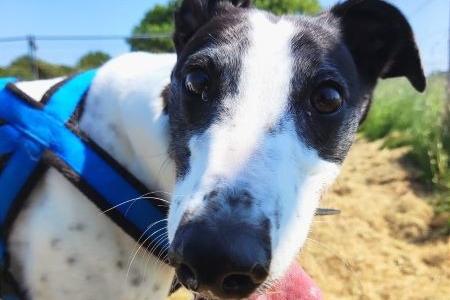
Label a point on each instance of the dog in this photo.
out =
(245, 127)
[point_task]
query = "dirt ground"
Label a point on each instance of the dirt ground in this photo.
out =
(375, 248)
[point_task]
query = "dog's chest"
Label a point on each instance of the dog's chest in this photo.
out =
(66, 249)
(63, 247)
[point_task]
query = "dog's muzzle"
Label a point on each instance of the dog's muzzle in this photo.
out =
(221, 258)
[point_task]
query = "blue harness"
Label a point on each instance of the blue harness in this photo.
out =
(36, 136)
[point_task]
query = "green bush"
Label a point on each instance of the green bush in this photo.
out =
(92, 60)
(21, 68)
(407, 118)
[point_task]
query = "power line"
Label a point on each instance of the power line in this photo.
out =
(82, 37)
(32, 41)
(32, 54)
(13, 39)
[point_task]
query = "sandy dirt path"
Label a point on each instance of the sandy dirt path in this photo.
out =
(373, 250)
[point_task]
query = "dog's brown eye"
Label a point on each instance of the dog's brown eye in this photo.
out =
(196, 83)
(327, 100)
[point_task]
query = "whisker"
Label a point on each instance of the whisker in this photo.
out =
(166, 202)
(162, 260)
(161, 252)
(149, 227)
(118, 205)
(163, 165)
(140, 247)
(144, 196)
(145, 231)
(157, 241)
(158, 264)
(128, 201)
(156, 198)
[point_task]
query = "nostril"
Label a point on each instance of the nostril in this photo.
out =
(259, 273)
(238, 284)
(187, 277)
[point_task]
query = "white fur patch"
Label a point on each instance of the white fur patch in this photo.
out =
(37, 89)
(134, 114)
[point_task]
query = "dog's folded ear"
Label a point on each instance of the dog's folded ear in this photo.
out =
(381, 41)
(193, 14)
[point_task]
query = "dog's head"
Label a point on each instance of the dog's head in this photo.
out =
(263, 110)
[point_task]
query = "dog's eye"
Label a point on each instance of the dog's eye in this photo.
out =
(327, 99)
(196, 83)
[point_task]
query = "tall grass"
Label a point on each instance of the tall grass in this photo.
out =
(404, 117)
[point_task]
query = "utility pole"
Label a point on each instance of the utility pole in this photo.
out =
(31, 40)
(447, 106)
(446, 119)
(448, 70)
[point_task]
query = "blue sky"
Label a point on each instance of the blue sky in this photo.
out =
(429, 18)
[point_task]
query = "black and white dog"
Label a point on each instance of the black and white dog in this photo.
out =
(245, 127)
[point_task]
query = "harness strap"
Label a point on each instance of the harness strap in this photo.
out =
(38, 135)
(8, 287)
(7, 143)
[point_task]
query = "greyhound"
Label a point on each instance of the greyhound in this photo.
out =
(245, 127)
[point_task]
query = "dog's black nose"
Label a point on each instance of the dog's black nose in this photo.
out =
(228, 261)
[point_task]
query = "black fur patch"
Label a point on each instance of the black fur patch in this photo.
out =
(77, 227)
(165, 96)
(120, 265)
(350, 47)
(54, 243)
(380, 40)
(71, 260)
(136, 280)
(216, 49)
(320, 58)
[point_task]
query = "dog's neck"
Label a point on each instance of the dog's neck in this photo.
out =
(124, 114)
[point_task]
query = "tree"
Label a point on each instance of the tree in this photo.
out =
(21, 68)
(158, 22)
(279, 7)
(92, 60)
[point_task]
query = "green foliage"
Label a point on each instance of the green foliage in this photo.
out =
(289, 6)
(406, 118)
(22, 68)
(92, 60)
(158, 21)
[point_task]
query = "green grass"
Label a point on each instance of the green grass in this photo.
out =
(404, 117)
